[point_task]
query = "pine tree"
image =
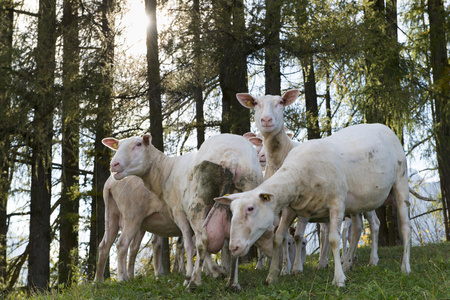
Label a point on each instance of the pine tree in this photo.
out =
(44, 103)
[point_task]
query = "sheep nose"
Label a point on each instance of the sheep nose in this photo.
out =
(233, 249)
(115, 165)
(266, 119)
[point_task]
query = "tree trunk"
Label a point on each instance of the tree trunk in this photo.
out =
(328, 128)
(309, 79)
(312, 110)
(198, 83)
(6, 31)
(383, 68)
(272, 48)
(69, 215)
(154, 98)
(441, 93)
(233, 66)
(41, 145)
(103, 128)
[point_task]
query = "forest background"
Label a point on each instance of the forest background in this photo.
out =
(69, 77)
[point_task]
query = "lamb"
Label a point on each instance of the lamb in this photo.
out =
(225, 163)
(135, 209)
(269, 120)
(350, 172)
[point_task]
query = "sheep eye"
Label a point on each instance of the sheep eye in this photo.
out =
(139, 144)
(250, 208)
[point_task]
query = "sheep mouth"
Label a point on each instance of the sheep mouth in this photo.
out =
(118, 175)
(241, 251)
(268, 127)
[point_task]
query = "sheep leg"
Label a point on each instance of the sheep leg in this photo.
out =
(226, 255)
(182, 222)
(299, 247)
(196, 279)
(374, 225)
(134, 249)
(336, 216)
(232, 282)
(345, 233)
(356, 235)
(130, 230)
(260, 262)
(286, 262)
(287, 216)
(400, 192)
(179, 265)
(111, 230)
(157, 255)
(324, 245)
(212, 267)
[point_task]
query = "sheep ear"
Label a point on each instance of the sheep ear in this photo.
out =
(265, 197)
(248, 135)
(111, 143)
(147, 138)
(246, 100)
(290, 96)
(256, 141)
(224, 200)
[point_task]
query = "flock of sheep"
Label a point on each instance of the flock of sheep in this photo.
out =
(220, 194)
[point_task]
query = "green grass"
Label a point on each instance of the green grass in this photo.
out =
(429, 279)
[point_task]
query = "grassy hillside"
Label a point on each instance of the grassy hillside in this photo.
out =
(430, 279)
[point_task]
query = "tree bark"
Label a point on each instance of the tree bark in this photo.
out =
(312, 110)
(441, 93)
(153, 77)
(198, 84)
(309, 79)
(328, 129)
(272, 48)
(6, 34)
(154, 98)
(70, 196)
(41, 145)
(232, 66)
(103, 128)
(382, 68)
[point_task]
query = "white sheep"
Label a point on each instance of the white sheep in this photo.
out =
(350, 172)
(300, 245)
(224, 163)
(277, 144)
(135, 209)
(269, 120)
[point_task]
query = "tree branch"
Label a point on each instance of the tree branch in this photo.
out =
(23, 12)
(426, 213)
(418, 144)
(15, 267)
(422, 197)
